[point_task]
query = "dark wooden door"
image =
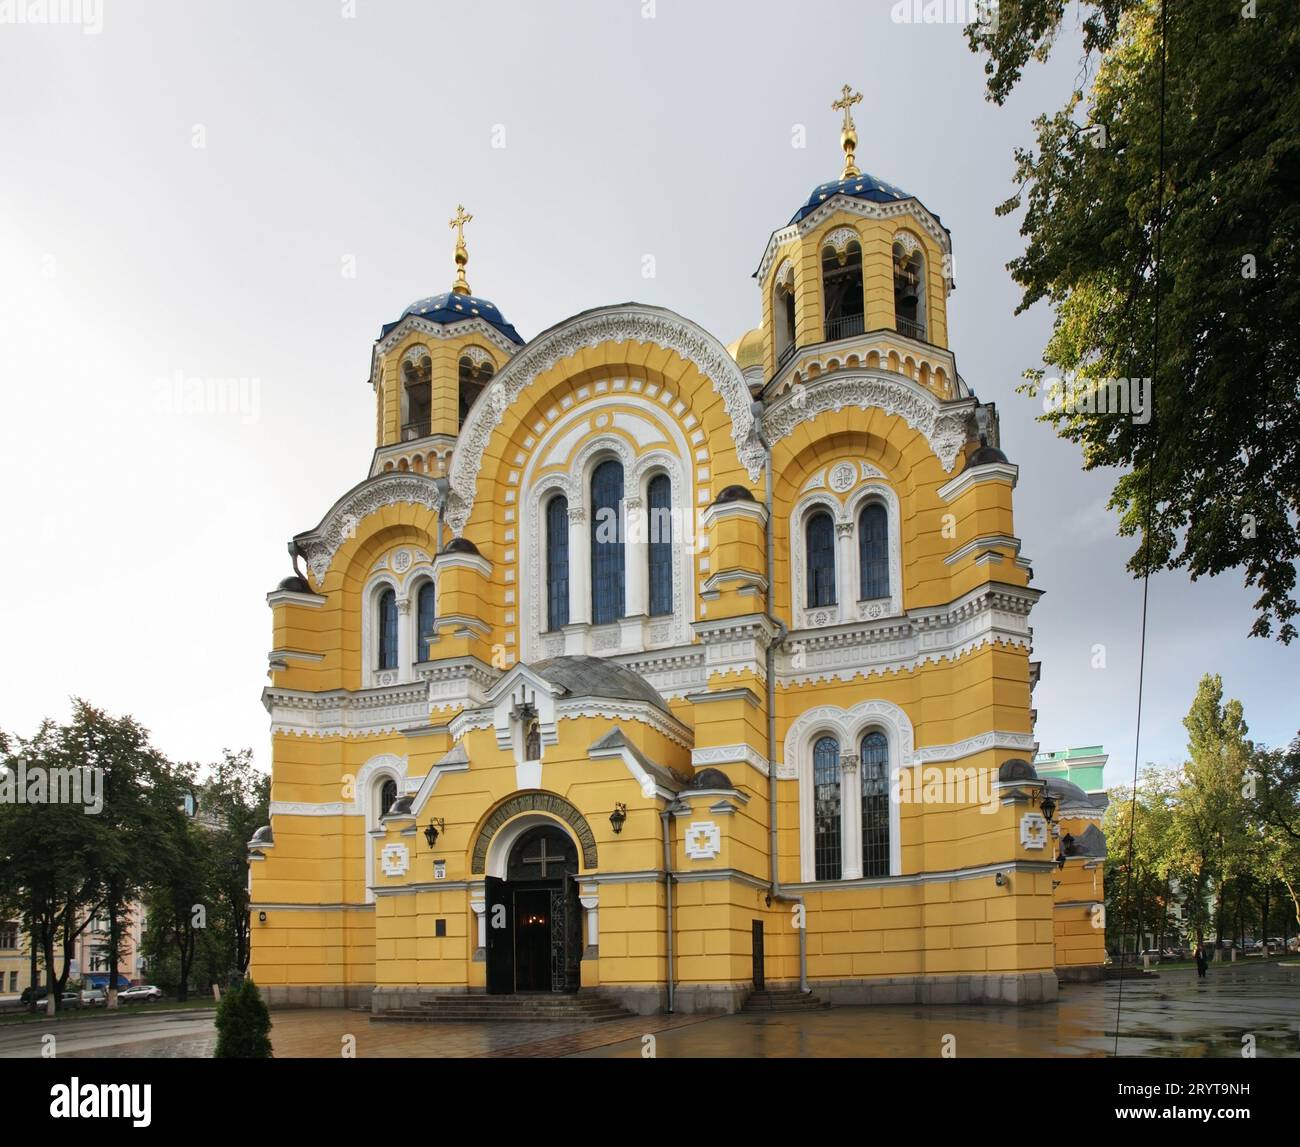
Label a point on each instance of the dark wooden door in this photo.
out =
(500, 938)
(758, 955)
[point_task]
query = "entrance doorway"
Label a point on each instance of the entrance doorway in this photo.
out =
(534, 920)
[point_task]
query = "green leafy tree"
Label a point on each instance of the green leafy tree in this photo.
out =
(243, 1024)
(1212, 481)
(235, 802)
(1140, 893)
(1211, 810)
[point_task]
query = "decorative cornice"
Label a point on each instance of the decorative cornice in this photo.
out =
(977, 475)
(413, 324)
(944, 424)
(320, 545)
(985, 542)
(342, 713)
(718, 511)
(865, 208)
(717, 755)
(635, 323)
(290, 597)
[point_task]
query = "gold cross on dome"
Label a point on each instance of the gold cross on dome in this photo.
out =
(462, 218)
(846, 101)
(461, 285)
(848, 132)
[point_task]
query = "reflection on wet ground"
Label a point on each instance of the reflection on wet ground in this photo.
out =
(1175, 1015)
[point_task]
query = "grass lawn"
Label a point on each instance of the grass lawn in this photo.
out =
(21, 1016)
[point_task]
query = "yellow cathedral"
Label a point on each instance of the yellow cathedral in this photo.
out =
(653, 674)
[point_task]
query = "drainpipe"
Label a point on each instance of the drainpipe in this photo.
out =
(665, 819)
(782, 631)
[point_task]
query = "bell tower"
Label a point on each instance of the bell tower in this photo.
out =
(431, 366)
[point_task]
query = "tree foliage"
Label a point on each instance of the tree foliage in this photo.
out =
(1212, 481)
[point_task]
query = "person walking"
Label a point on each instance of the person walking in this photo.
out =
(1200, 963)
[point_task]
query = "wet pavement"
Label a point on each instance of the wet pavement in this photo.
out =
(1172, 1016)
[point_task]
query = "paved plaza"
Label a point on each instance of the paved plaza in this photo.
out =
(1172, 1016)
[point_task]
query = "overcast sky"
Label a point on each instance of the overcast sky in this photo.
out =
(185, 190)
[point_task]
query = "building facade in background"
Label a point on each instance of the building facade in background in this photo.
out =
(643, 665)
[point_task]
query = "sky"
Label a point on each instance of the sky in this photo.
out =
(241, 193)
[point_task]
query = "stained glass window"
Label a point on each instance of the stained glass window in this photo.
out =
(874, 768)
(660, 537)
(607, 598)
(873, 551)
(557, 562)
(821, 560)
(826, 808)
(387, 630)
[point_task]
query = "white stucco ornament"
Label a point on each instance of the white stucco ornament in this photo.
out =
(703, 840)
(394, 859)
(1033, 830)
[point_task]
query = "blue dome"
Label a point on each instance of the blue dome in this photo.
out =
(453, 308)
(862, 186)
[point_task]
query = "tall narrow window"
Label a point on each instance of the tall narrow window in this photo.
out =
(783, 317)
(874, 767)
(557, 562)
(659, 496)
(820, 543)
(387, 630)
(387, 795)
(909, 292)
(607, 598)
(826, 808)
(873, 552)
(842, 286)
(473, 377)
(424, 617)
(417, 404)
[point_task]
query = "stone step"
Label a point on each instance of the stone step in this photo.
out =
(476, 1008)
(782, 1000)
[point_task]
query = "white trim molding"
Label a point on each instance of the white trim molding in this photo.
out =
(944, 424)
(319, 546)
(848, 727)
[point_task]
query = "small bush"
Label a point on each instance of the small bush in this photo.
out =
(243, 1024)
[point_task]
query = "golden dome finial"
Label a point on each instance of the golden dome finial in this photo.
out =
(460, 286)
(849, 132)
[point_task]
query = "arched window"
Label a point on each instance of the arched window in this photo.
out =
(607, 598)
(473, 377)
(424, 617)
(417, 398)
(557, 562)
(659, 496)
(909, 292)
(820, 543)
(873, 552)
(783, 318)
(826, 808)
(387, 630)
(842, 287)
(387, 795)
(874, 769)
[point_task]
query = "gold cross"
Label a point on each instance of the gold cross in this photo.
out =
(848, 133)
(845, 102)
(461, 285)
(461, 218)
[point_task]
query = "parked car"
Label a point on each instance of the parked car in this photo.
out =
(34, 995)
(140, 992)
(94, 998)
(70, 1000)
(1154, 953)
(1174, 954)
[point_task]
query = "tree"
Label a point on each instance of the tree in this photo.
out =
(179, 894)
(47, 846)
(243, 1024)
(1212, 480)
(236, 803)
(1210, 832)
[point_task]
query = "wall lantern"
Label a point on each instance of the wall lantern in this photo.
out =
(617, 817)
(435, 826)
(1048, 805)
(261, 917)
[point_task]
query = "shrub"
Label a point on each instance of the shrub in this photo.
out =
(243, 1024)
